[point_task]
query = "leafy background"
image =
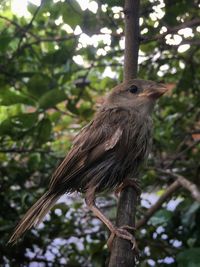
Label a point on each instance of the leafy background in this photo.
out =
(56, 63)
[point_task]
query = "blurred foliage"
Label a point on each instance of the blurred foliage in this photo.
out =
(55, 64)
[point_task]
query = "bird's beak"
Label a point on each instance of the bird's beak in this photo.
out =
(156, 91)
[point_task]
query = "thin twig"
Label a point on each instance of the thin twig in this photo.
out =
(25, 29)
(180, 181)
(181, 153)
(188, 185)
(169, 191)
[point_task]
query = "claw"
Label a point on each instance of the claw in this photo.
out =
(129, 228)
(122, 232)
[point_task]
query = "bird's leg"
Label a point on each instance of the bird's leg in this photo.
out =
(121, 232)
(90, 201)
(126, 183)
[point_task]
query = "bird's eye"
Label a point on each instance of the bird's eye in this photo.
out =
(133, 89)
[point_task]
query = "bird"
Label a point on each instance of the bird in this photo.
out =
(105, 154)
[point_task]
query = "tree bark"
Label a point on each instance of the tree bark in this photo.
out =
(122, 255)
(131, 11)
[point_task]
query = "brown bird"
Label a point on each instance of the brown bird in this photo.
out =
(105, 154)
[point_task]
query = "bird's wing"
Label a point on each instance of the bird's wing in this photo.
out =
(92, 143)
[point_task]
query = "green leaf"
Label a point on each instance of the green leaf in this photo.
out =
(34, 161)
(61, 56)
(43, 131)
(189, 215)
(189, 258)
(52, 98)
(38, 85)
(71, 106)
(85, 109)
(55, 116)
(173, 10)
(161, 217)
(32, 8)
(148, 48)
(17, 126)
(5, 39)
(9, 97)
(72, 13)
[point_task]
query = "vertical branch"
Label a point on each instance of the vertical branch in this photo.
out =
(131, 11)
(122, 255)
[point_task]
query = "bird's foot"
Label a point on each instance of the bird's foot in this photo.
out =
(129, 228)
(127, 183)
(123, 232)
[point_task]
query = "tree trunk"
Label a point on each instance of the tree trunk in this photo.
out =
(122, 255)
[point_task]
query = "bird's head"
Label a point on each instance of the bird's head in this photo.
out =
(137, 94)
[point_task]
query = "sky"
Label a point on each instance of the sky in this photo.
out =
(19, 7)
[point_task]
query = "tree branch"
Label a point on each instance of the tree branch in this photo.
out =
(188, 185)
(169, 191)
(11, 22)
(131, 11)
(181, 153)
(25, 30)
(180, 181)
(20, 28)
(122, 255)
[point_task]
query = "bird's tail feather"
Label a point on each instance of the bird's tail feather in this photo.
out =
(34, 215)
